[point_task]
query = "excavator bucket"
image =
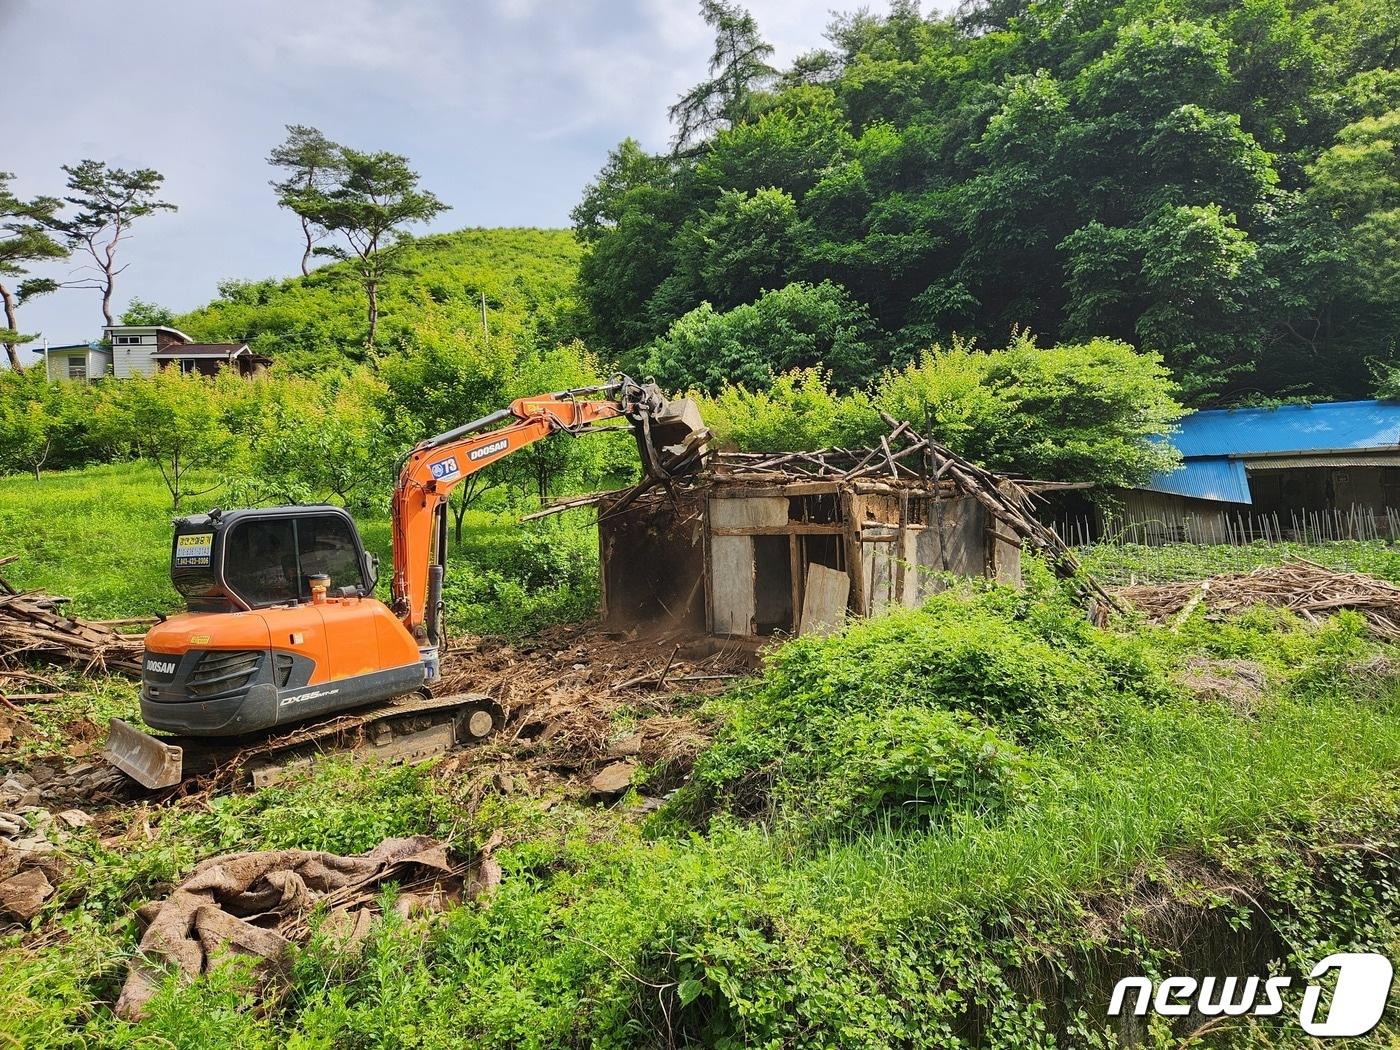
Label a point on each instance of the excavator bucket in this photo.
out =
(671, 436)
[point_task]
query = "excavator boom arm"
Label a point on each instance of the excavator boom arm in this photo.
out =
(436, 466)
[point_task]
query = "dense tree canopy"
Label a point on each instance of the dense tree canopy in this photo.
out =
(1091, 411)
(1214, 183)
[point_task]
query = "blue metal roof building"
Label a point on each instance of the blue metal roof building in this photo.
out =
(1220, 446)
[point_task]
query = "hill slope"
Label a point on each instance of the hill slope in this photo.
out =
(526, 275)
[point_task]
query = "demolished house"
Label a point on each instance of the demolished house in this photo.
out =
(756, 546)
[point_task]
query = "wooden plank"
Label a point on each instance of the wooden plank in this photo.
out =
(902, 569)
(855, 563)
(828, 593)
(731, 584)
(790, 528)
(795, 557)
(729, 513)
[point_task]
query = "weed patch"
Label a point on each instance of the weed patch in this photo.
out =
(973, 818)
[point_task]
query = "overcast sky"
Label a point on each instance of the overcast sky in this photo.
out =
(506, 107)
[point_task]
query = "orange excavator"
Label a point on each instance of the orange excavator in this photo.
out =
(284, 650)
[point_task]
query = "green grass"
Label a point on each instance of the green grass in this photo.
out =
(878, 924)
(1128, 563)
(893, 824)
(101, 536)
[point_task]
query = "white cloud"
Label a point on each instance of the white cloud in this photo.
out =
(506, 107)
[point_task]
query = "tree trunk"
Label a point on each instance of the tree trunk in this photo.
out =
(12, 322)
(372, 290)
(458, 514)
(306, 255)
(107, 299)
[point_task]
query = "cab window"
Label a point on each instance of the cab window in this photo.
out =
(326, 544)
(260, 562)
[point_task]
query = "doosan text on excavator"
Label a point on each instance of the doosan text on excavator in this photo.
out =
(283, 638)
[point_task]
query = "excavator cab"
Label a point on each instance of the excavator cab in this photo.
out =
(226, 561)
(281, 625)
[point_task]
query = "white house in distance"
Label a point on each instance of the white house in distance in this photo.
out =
(76, 360)
(128, 350)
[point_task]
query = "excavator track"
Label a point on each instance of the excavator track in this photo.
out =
(408, 728)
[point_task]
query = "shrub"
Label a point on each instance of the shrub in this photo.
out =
(797, 410)
(922, 707)
(43, 424)
(1087, 412)
(909, 765)
(1090, 411)
(173, 421)
(523, 580)
(316, 442)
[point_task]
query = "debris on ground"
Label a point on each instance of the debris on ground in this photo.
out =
(1299, 586)
(578, 699)
(613, 779)
(22, 896)
(30, 864)
(258, 904)
(1238, 684)
(34, 628)
(44, 783)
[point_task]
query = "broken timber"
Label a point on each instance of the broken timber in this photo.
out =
(879, 502)
(33, 628)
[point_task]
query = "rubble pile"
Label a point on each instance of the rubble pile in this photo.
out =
(33, 628)
(1299, 586)
(31, 866)
(579, 701)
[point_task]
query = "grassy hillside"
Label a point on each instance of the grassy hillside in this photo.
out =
(526, 276)
(101, 536)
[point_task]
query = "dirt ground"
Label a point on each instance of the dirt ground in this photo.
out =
(581, 703)
(588, 715)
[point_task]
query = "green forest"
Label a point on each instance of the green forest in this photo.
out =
(1038, 231)
(1043, 229)
(1217, 183)
(439, 289)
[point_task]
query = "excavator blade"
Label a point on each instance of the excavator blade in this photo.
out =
(150, 762)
